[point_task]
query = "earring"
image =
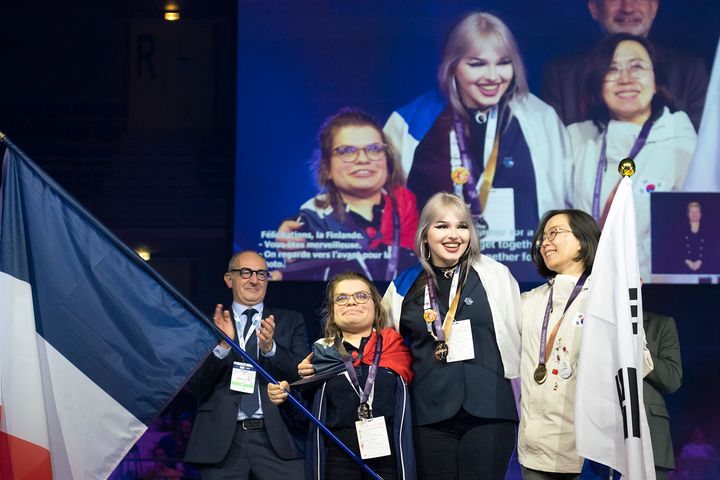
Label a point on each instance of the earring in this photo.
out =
(425, 244)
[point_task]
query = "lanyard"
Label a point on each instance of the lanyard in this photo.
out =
(364, 393)
(392, 265)
(602, 162)
(474, 194)
(442, 331)
(255, 321)
(548, 309)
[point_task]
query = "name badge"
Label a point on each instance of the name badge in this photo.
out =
(373, 438)
(243, 378)
(460, 342)
(499, 214)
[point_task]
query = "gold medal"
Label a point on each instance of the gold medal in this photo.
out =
(429, 315)
(540, 374)
(460, 175)
(441, 351)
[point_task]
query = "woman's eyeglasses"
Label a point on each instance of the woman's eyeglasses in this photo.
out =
(635, 70)
(360, 297)
(350, 153)
(550, 236)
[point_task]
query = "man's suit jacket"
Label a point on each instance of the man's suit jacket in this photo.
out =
(687, 78)
(666, 377)
(217, 412)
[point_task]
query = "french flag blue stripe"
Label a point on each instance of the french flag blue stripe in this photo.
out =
(96, 302)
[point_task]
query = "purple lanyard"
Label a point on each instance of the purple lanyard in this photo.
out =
(431, 298)
(470, 187)
(548, 309)
(392, 265)
(602, 162)
(364, 393)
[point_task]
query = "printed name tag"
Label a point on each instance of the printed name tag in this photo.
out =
(373, 438)
(460, 343)
(243, 378)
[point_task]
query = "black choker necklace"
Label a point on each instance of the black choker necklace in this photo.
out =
(480, 117)
(447, 272)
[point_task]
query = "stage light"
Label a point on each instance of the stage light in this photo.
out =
(172, 11)
(143, 252)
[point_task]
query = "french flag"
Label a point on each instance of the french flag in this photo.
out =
(93, 342)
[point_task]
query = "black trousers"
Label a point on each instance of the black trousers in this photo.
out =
(339, 466)
(251, 456)
(464, 447)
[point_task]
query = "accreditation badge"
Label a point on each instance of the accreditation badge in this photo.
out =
(460, 343)
(243, 378)
(373, 438)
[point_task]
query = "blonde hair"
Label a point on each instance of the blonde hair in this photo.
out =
(435, 207)
(472, 30)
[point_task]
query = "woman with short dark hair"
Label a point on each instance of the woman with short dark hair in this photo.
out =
(552, 318)
(630, 110)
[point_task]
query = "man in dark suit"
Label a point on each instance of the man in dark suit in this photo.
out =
(666, 377)
(238, 433)
(687, 75)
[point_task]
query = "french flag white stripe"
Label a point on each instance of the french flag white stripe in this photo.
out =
(49, 402)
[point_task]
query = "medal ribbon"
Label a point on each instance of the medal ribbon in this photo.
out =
(363, 393)
(443, 332)
(602, 163)
(477, 196)
(392, 265)
(543, 355)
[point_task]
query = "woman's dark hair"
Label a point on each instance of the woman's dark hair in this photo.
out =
(347, 117)
(596, 67)
(584, 228)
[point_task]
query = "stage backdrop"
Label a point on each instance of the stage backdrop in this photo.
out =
(300, 62)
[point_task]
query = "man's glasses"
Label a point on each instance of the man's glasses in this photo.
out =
(350, 153)
(550, 236)
(636, 70)
(344, 298)
(262, 275)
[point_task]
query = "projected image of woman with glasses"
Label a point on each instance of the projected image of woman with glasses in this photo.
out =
(628, 101)
(364, 219)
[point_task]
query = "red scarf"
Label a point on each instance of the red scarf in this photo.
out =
(395, 355)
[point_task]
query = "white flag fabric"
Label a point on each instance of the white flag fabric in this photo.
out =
(704, 173)
(610, 423)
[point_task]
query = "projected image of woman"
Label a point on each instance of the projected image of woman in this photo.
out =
(364, 219)
(628, 103)
(487, 139)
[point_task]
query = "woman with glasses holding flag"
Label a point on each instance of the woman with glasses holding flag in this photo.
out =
(460, 312)
(357, 376)
(364, 219)
(563, 251)
(628, 102)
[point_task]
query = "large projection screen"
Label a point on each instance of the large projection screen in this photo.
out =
(301, 62)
